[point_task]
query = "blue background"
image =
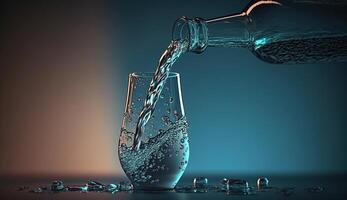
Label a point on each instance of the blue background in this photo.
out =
(64, 69)
(245, 116)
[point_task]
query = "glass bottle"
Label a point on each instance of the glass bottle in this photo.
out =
(276, 31)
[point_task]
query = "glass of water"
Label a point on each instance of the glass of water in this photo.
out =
(164, 152)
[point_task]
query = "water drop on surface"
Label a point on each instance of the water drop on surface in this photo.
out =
(57, 185)
(200, 182)
(237, 186)
(262, 183)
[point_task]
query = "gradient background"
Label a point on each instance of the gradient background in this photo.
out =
(63, 81)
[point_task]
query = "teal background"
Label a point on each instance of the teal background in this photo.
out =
(245, 116)
(64, 69)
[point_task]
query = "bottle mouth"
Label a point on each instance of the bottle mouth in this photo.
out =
(193, 31)
(181, 29)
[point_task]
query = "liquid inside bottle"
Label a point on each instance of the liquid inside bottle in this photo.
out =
(276, 31)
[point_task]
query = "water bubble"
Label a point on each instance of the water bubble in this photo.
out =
(237, 186)
(139, 99)
(200, 182)
(57, 185)
(125, 186)
(166, 120)
(262, 183)
(171, 100)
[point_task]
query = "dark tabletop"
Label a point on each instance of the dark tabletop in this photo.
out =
(333, 187)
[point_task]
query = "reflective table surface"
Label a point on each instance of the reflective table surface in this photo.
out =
(299, 187)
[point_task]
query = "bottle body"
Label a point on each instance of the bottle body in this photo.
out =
(276, 31)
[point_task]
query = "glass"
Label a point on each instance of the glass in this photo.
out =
(164, 153)
(276, 31)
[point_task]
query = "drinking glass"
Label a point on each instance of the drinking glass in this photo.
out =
(164, 152)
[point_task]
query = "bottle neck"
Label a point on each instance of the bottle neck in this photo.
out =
(229, 31)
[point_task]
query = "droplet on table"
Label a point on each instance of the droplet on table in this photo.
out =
(237, 186)
(57, 186)
(112, 188)
(95, 186)
(200, 182)
(262, 183)
(125, 186)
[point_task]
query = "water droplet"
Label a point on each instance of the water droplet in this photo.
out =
(262, 183)
(95, 186)
(237, 186)
(200, 182)
(57, 185)
(112, 188)
(125, 186)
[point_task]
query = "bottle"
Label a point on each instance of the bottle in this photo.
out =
(276, 31)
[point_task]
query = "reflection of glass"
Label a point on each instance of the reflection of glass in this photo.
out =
(163, 157)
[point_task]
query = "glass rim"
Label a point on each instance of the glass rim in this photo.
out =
(150, 74)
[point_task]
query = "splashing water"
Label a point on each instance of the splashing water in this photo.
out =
(168, 58)
(159, 159)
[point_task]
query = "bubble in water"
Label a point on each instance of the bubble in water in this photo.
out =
(171, 100)
(262, 183)
(139, 99)
(166, 120)
(200, 182)
(237, 186)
